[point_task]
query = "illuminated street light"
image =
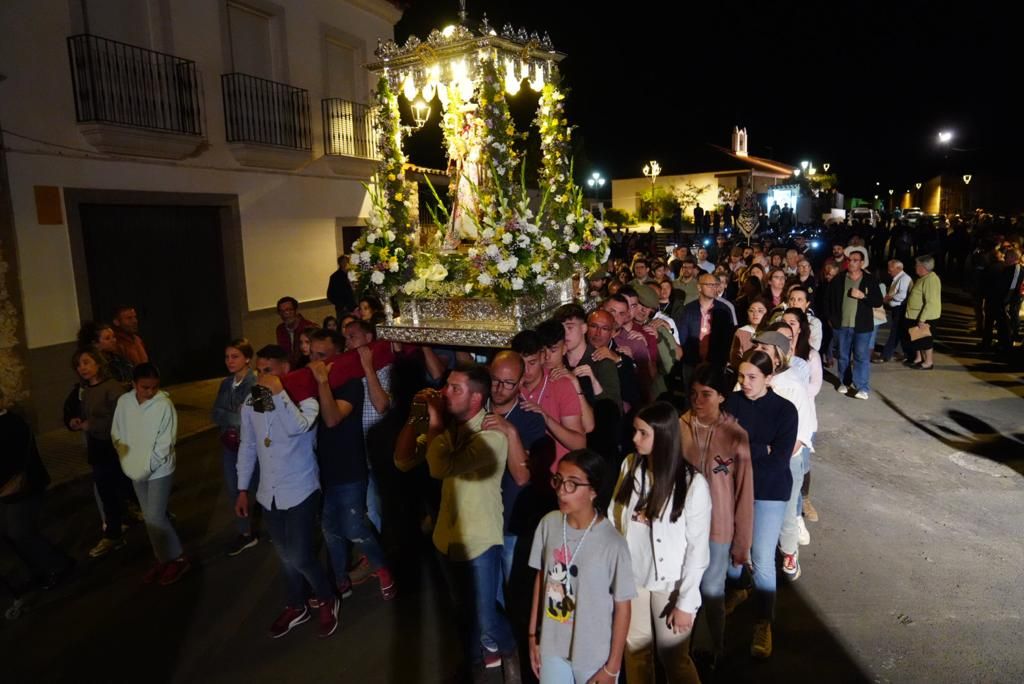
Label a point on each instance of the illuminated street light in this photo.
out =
(796, 172)
(891, 191)
(917, 185)
(804, 165)
(812, 171)
(652, 170)
(967, 178)
(945, 136)
(826, 166)
(420, 112)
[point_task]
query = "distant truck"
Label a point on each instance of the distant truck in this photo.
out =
(864, 215)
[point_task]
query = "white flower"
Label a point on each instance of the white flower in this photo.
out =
(472, 252)
(390, 235)
(354, 259)
(532, 229)
(484, 279)
(573, 248)
(523, 241)
(364, 257)
(517, 283)
(570, 219)
(393, 266)
(352, 277)
(500, 170)
(545, 242)
(537, 267)
(377, 278)
(414, 286)
(468, 287)
(492, 251)
(437, 273)
(487, 234)
(507, 238)
(372, 237)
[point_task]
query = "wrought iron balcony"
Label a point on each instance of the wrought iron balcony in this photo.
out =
(136, 101)
(265, 112)
(349, 129)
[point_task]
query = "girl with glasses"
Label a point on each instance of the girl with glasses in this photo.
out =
(662, 507)
(583, 587)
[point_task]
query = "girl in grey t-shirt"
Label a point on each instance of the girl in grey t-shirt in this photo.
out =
(584, 582)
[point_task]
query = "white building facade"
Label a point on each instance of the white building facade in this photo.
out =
(198, 159)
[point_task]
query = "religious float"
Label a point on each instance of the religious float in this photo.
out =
(494, 262)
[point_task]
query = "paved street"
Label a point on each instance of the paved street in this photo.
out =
(913, 573)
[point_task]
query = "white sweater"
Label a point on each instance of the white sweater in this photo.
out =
(144, 436)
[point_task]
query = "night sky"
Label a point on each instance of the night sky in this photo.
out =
(865, 88)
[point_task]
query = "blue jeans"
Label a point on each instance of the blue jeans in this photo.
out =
(555, 670)
(789, 537)
(373, 504)
(245, 526)
(712, 591)
(768, 516)
(475, 586)
(860, 346)
(344, 520)
(508, 554)
(292, 532)
(153, 496)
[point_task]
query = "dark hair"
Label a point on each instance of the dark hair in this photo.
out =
(243, 345)
(641, 260)
(121, 308)
(342, 259)
(478, 377)
(802, 342)
(628, 291)
(718, 378)
(328, 320)
(799, 288)
(288, 300)
(101, 362)
(321, 335)
(366, 326)
(619, 297)
(377, 309)
(526, 343)
(671, 472)
(759, 360)
(89, 334)
(570, 312)
(595, 468)
(689, 260)
(550, 332)
(272, 352)
(145, 371)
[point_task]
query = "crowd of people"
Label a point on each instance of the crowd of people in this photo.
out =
(641, 456)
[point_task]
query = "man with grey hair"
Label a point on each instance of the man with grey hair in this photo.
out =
(896, 303)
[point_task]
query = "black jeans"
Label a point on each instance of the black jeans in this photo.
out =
(896, 333)
(21, 528)
(108, 476)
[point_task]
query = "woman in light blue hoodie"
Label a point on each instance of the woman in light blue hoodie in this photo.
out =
(144, 430)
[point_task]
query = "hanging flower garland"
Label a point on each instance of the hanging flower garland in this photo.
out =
(381, 257)
(577, 239)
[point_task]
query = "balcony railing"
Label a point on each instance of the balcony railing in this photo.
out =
(123, 84)
(349, 129)
(265, 112)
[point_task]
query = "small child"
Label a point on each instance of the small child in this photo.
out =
(144, 430)
(584, 581)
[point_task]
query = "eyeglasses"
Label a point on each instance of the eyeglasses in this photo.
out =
(507, 384)
(558, 482)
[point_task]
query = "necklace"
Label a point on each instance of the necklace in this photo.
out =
(266, 440)
(565, 544)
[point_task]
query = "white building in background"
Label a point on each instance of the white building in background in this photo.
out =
(711, 168)
(198, 159)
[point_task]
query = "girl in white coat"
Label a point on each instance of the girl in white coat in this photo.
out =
(662, 506)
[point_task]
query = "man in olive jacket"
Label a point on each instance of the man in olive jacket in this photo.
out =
(850, 299)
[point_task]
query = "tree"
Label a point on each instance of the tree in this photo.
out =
(616, 217)
(657, 202)
(688, 194)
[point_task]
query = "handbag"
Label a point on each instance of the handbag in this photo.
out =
(918, 333)
(878, 313)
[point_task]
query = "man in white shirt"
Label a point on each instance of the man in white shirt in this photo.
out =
(895, 302)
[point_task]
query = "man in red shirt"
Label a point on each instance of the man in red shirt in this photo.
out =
(292, 323)
(126, 330)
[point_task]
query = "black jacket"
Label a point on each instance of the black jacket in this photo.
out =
(722, 331)
(865, 321)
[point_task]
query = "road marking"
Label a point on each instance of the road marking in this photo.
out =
(978, 464)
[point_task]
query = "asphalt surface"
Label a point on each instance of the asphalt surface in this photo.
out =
(913, 573)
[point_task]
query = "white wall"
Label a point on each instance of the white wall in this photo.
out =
(624, 190)
(288, 219)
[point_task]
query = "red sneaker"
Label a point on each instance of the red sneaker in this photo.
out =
(153, 574)
(387, 583)
(328, 616)
(174, 570)
(288, 620)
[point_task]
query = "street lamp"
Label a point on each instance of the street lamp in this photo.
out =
(596, 180)
(420, 112)
(652, 170)
(967, 178)
(917, 185)
(826, 166)
(804, 165)
(945, 136)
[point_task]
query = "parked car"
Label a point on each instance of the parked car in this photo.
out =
(913, 215)
(864, 215)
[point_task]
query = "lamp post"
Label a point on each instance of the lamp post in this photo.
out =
(596, 183)
(652, 170)
(967, 199)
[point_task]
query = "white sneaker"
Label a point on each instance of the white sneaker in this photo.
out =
(804, 536)
(861, 394)
(841, 389)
